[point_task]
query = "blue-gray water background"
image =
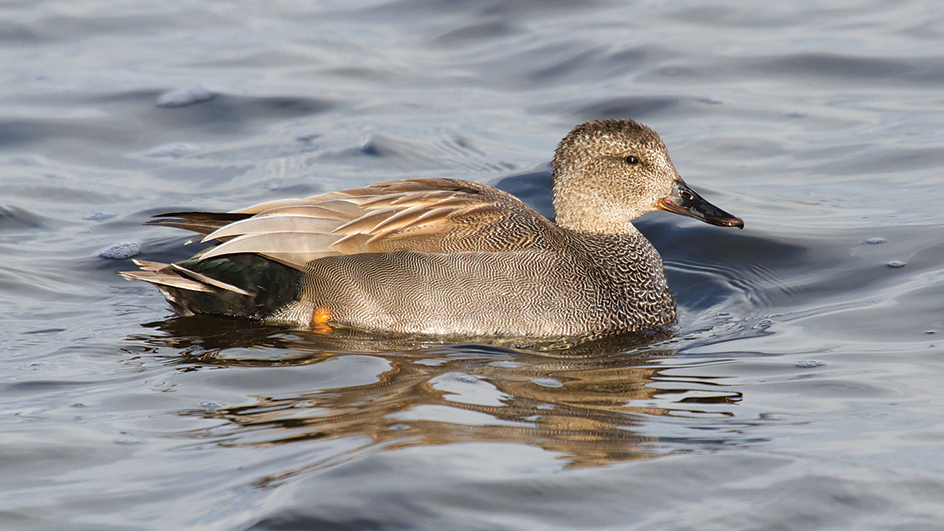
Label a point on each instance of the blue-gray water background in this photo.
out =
(803, 387)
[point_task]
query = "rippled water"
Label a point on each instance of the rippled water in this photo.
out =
(801, 388)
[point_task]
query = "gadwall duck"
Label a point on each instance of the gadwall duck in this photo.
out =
(445, 256)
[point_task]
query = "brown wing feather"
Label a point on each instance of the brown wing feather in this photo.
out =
(427, 215)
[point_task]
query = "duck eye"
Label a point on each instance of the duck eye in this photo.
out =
(631, 160)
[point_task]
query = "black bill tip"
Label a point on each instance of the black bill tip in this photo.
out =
(683, 200)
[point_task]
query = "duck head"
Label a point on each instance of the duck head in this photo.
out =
(609, 172)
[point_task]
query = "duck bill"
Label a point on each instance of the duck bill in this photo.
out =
(683, 200)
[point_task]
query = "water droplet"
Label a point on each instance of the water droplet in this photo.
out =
(174, 149)
(210, 405)
(809, 364)
(98, 216)
(931, 332)
(896, 264)
(185, 96)
(709, 100)
(467, 378)
(121, 251)
(763, 324)
(506, 364)
(875, 241)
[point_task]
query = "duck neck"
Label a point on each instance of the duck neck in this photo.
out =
(596, 225)
(587, 210)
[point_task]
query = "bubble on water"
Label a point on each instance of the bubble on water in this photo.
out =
(210, 405)
(98, 216)
(186, 96)
(809, 364)
(547, 382)
(875, 241)
(896, 264)
(763, 324)
(121, 251)
(174, 149)
(506, 364)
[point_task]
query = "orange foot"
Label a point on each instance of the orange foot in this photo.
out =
(319, 321)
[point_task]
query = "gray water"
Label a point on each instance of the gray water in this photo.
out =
(801, 388)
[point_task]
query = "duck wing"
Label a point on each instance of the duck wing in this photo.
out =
(422, 215)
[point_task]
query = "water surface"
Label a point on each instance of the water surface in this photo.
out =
(801, 388)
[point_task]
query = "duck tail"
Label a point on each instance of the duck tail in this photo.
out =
(240, 285)
(188, 292)
(200, 222)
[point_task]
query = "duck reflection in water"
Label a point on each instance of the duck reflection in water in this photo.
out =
(587, 402)
(453, 258)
